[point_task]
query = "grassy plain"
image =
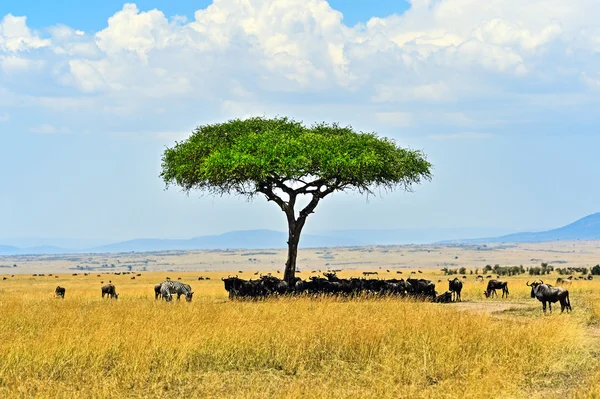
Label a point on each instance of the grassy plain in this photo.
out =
(399, 257)
(84, 346)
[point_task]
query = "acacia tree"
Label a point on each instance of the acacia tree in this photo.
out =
(284, 160)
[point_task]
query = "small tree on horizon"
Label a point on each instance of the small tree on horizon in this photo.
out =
(285, 161)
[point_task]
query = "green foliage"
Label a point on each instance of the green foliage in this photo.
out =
(596, 270)
(240, 156)
(573, 270)
(508, 270)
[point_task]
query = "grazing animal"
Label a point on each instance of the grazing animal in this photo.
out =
(4, 278)
(110, 291)
(59, 292)
(157, 291)
(455, 287)
(168, 288)
(548, 294)
(563, 281)
(446, 297)
(133, 278)
(494, 285)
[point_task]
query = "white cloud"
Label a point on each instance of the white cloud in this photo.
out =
(16, 36)
(396, 119)
(449, 62)
(47, 129)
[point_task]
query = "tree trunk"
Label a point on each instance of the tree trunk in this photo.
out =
(294, 238)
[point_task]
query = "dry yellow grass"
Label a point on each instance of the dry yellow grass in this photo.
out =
(84, 346)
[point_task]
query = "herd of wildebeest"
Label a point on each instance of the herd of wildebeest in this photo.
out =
(423, 289)
(330, 284)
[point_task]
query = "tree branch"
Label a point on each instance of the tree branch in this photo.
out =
(267, 190)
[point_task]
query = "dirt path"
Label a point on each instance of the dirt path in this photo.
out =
(489, 307)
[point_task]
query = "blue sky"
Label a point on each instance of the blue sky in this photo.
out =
(92, 16)
(503, 99)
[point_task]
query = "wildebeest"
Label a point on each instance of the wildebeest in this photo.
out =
(547, 294)
(238, 288)
(494, 285)
(59, 292)
(455, 287)
(446, 297)
(421, 287)
(110, 291)
(157, 291)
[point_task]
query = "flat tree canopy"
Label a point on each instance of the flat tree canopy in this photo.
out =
(282, 159)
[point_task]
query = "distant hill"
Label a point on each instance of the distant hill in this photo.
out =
(587, 228)
(8, 250)
(244, 239)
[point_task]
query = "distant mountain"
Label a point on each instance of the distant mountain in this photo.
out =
(246, 239)
(8, 250)
(587, 228)
(411, 236)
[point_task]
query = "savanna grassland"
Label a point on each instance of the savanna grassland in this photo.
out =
(84, 346)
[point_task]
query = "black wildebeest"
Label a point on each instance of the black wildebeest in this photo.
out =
(59, 292)
(110, 291)
(421, 287)
(455, 287)
(548, 294)
(157, 291)
(446, 297)
(494, 285)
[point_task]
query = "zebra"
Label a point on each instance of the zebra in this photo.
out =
(168, 288)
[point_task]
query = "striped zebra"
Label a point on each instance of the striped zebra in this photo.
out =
(168, 288)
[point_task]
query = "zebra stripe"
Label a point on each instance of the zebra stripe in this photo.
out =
(168, 288)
